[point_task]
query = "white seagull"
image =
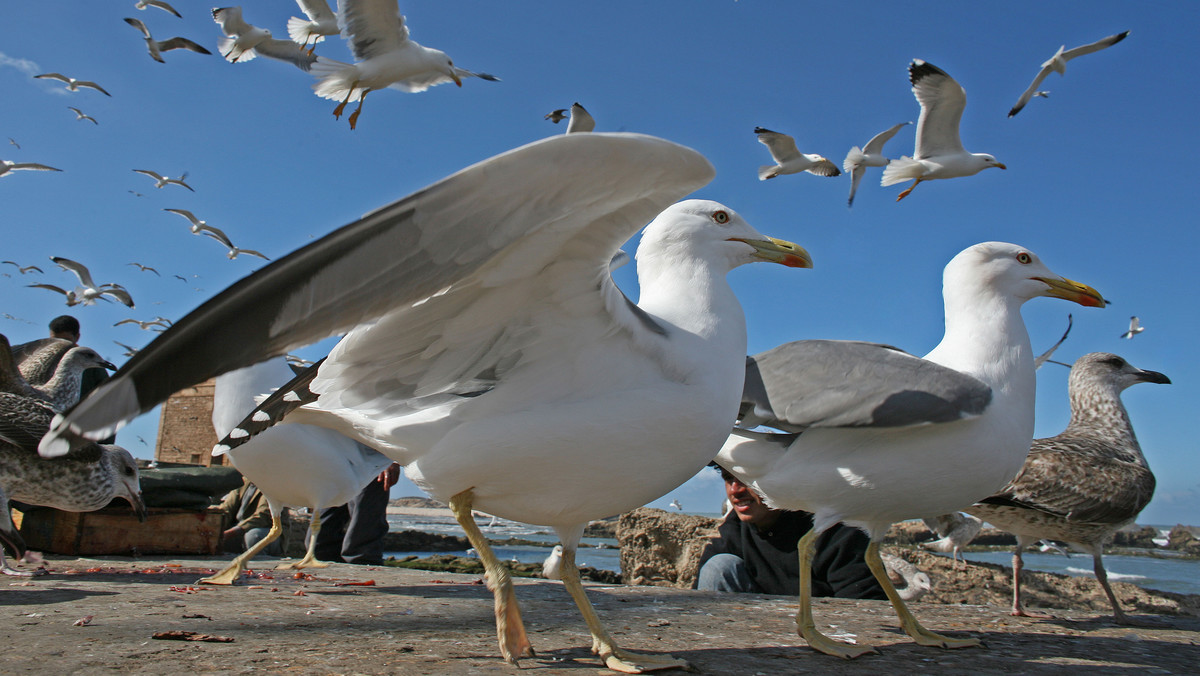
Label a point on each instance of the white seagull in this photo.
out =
(73, 85)
(519, 379)
(7, 167)
(22, 269)
(581, 120)
(321, 21)
(164, 6)
(384, 56)
(870, 155)
(161, 181)
(878, 436)
(233, 251)
(89, 291)
(1058, 64)
(1135, 327)
(157, 47)
(245, 41)
(939, 152)
(955, 531)
(789, 160)
(80, 115)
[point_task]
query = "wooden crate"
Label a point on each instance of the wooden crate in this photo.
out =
(118, 531)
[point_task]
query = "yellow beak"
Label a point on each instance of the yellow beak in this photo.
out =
(1061, 287)
(778, 251)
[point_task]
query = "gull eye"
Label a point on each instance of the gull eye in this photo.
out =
(1024, 258)
(721, 217)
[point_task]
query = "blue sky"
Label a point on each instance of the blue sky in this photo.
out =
(1097, 183)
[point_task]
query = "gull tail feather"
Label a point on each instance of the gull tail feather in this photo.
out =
(853, 159)
(768, 171)
(901, 170)
(334, 79)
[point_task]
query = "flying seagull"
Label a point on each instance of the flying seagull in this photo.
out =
(1085, 484)
(73, 85)
(1135, 327)
(144, 4)
(233, 251)
(80, 115)
(871, 155)
(384, 57)
(939, 152)
(789, 160)
(7, 167)
(157, 47)
(144, 268)
(322, 21)
(244, 41)
(557, 116)
(151, 325)
(22, 269)
(1058, 64)
(524, 334)
(89, 291)
(874, 435)
(161, 181)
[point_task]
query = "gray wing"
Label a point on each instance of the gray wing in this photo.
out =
(372, 27)
(80, 270)
(1029, 91)
(184, 43)
(942, 101)
(782, 146)
(1096, 46)
(1044, 357)
(840, 383)
(286, 50)
(875, 145)
(399, 254)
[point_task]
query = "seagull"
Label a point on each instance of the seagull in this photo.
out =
(38, 359)
(73, 85)
(939, 152)
(916, 582)
(162, 181)
(581, 120)
(129, 352)
(466, 346)
(157, 47)
(197, 226)
(384, 57)
(871, 155)
(88, 291)
(10, 537)
(552, 566)
(245, 41)
(676, 505)
(789, 160)
(1045, 546)
(877, 436)
(22, 269)
(1085, 484)
(143, 4)
(145, 268)
(322, 21)
(152, 325)
(1135, 327)
(323, 467)
(61, 391)
(7, 167)
(14, 143)
(1058, 64)
(557, 116)
(80, 115)
(955, 530)
(72, 299)
(220, 236)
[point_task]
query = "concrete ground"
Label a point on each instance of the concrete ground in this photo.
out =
(96, 616)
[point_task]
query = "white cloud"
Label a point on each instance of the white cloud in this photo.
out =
(24, 65)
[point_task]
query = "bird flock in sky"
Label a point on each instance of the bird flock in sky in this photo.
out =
(484, 336)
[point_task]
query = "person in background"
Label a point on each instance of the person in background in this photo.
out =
(67, 328)
(247, 507)
(353, 532)
(755, 552)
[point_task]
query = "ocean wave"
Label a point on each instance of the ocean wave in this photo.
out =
(1111, 575)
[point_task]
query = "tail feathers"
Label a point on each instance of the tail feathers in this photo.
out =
(853, 158)
(768, 171)
(901, 170)
(299, 31)
(233, 54)
(334, 79)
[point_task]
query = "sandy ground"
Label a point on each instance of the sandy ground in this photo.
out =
(95, 616)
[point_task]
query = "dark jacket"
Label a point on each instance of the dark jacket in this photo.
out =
(838, 568)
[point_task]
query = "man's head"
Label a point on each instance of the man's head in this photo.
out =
(65, 326)
(746, 503)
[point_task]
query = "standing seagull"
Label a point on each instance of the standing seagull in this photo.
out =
(1085, 484)
(73, 85)
(871, 155)
(789, 160)
(80, 115)
(322, 21)
(1135, 327)
(939, 152)
(519, 379)
(161, 181)
(955, 531)
(581, 120)
(7, 167)
(384, 56)
(143, 4)
(157, 47)
(879, 436)
(1058, 64)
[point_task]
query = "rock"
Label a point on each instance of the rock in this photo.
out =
(1183, 538)
(1141, 537)
(417, 501)
(662, 548)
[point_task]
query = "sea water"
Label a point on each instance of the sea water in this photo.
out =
(1159, 571)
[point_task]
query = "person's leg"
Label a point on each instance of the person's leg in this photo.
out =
(252, 536)
(725, 573)
(329, 538)
(368, 524)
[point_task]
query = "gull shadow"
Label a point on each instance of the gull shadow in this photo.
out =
(47, 595)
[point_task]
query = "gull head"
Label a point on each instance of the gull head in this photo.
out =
(987, 161)
(703, 229)
(124, 471)
(1015, 271)
(1113, 372)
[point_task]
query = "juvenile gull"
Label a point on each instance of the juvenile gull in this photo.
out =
(293, 465)
(939, 152)
(37, 359)
(494, 355)
(1135, 327)
(879, 436)
(72, 84)
(557, 116)
(788, 159)
(161, 181)
(157, 47)
(1058, 64)
(384, 57)
(1085, 484)
(871, 155)
(581, 120)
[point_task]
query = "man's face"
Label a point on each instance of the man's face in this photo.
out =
(746, 504)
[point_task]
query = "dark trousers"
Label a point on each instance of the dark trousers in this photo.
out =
(353, 532)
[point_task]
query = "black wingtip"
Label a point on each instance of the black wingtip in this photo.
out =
(919, 69)
(763, 130)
